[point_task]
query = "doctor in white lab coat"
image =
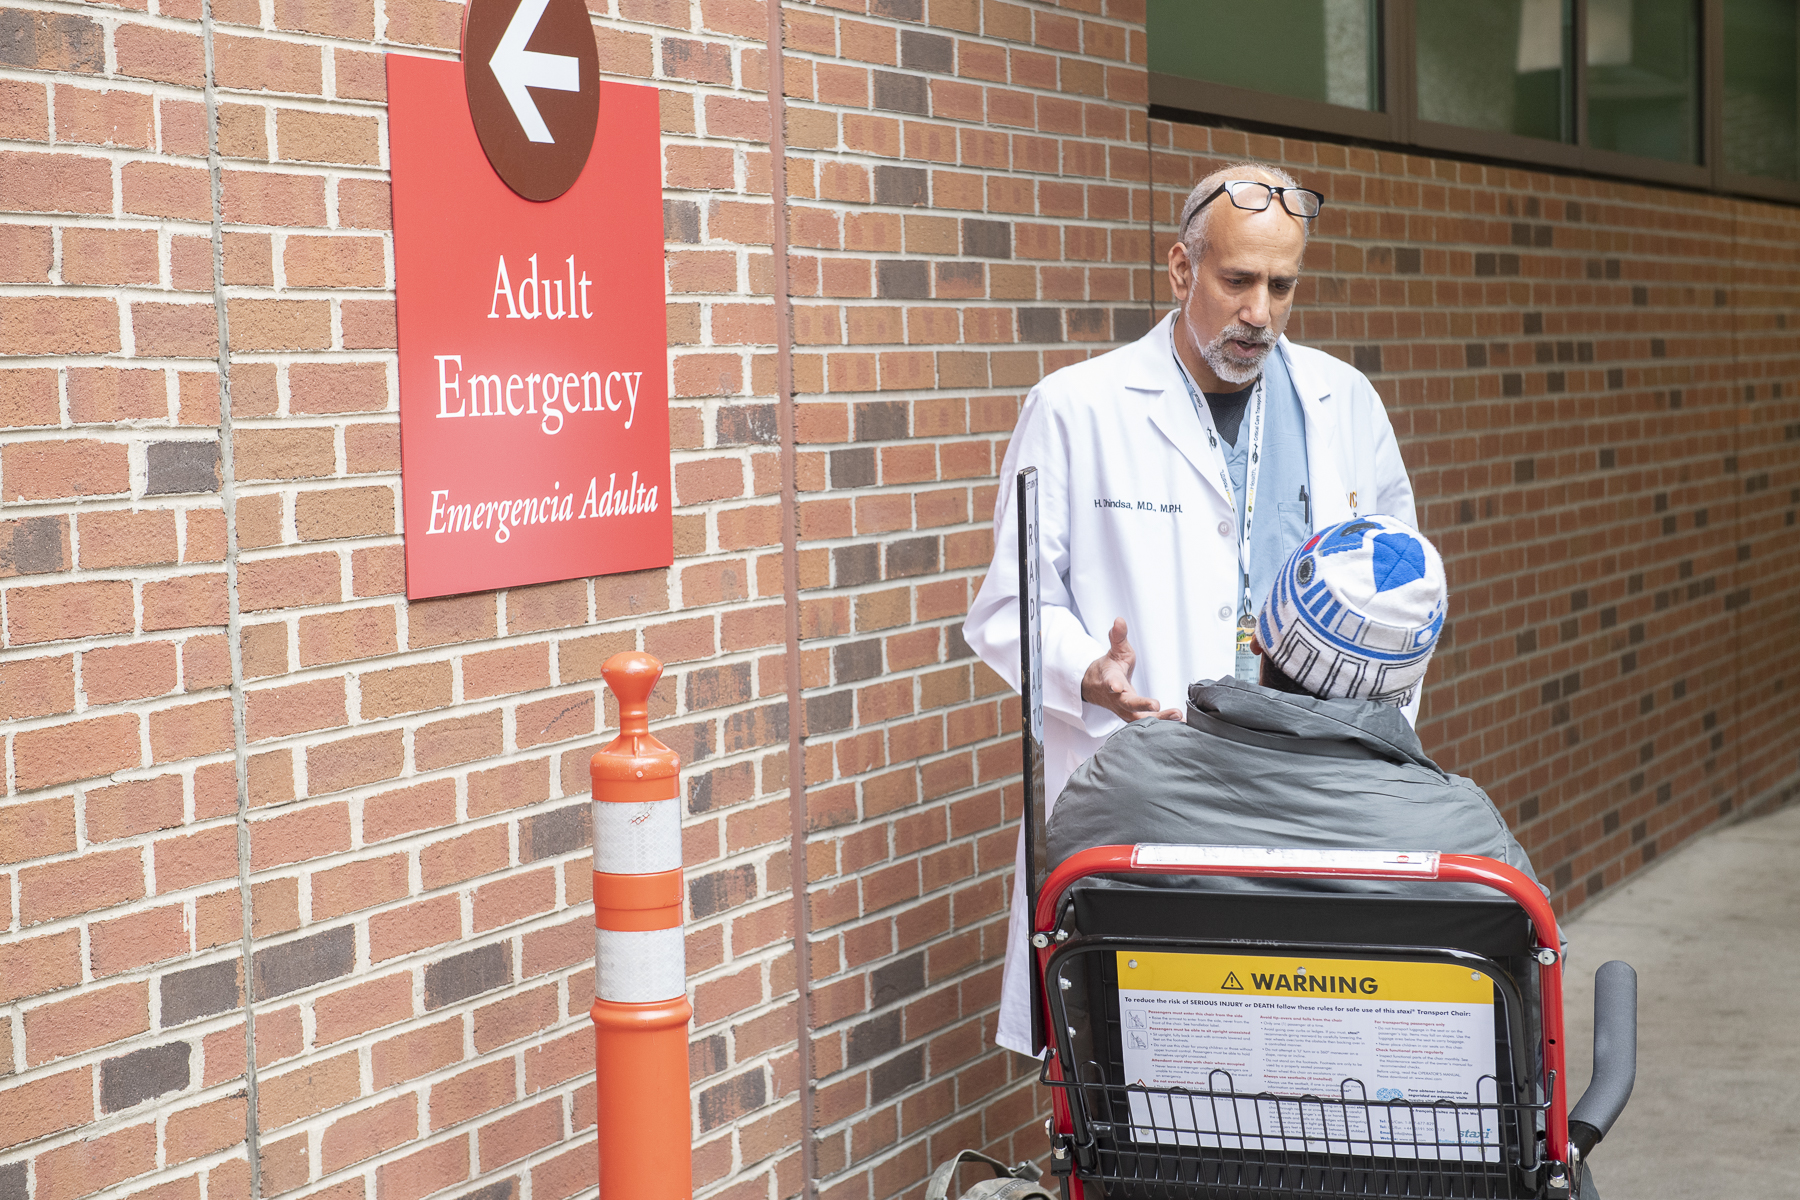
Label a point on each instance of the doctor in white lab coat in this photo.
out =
(1140, 578)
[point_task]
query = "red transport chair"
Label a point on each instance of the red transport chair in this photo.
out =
(1264, 1039)
(1269, 1043)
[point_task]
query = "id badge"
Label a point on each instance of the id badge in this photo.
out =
(1249, 668)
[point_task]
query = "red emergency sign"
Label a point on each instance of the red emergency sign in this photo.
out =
(534, 427)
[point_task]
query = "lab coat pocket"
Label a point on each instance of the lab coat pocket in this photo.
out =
(1292, 520)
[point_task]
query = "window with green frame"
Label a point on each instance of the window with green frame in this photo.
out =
(1693, 92)
(1323, 50)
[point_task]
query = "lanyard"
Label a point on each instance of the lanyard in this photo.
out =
(1252, 471)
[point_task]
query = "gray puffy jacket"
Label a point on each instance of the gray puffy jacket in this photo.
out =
(1256, 767)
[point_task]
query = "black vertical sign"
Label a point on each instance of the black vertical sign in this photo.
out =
(1031, 724)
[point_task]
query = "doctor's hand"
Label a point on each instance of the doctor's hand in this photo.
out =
(1107, 682)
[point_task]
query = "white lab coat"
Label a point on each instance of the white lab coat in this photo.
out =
(1122, 427)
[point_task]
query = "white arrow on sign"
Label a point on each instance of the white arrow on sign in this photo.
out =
(517, 68)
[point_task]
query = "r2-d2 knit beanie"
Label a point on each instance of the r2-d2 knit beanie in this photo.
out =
(1356, 611)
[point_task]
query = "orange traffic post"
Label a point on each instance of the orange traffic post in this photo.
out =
(641, 1011)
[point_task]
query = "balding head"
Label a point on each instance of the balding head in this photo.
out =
(1195, 235)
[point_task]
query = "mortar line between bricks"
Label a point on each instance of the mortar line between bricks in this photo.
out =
(233, 611)
(1150, 215)
(790, 586)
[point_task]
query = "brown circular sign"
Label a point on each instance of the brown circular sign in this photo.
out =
(532, 76)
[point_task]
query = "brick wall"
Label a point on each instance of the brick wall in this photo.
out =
(295, 872)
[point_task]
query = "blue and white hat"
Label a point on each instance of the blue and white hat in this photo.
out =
(1356, 611)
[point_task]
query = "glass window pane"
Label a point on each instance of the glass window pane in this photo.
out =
(1762, 107)
(1643, 78)
(1326, 50)
(1500, 65)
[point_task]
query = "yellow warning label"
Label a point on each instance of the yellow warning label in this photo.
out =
(1318, 978)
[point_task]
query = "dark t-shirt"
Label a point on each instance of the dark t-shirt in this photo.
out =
(1228, 411)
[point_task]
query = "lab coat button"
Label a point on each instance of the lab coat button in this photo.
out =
(1224, 529)
(1224, 612)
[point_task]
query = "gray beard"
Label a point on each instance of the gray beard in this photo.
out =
(1227, 367)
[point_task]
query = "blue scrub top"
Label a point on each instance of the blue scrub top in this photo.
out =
(1281, 513)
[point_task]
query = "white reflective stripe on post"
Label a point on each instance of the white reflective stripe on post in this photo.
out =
(1423, 863)
(641, 966)
(641, 837)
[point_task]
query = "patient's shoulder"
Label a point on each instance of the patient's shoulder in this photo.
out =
(1144, 745)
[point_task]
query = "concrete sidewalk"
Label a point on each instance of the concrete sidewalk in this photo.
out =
(1714, 932)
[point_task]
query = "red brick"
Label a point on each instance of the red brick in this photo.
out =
(369, 324)
(459, 859)
(28, 397)
(454, 619)
(128, 672)
(457, 740)
(38, 182)
(38, 965)
(295, 708)
(424, 23)
(94, 1018)
(192, 859)
(298, 836)
(512, 669)
(185, 602)
(417, 688)
(362, 1134)
(294, 453)
(472, 1093)
(354, 761)
(266, 198)
(101, 395)
(70, 610)
(255, 64)
(36, 687)
(512, 1137)
(76, 750)
(46, 1105)
(275, 325)
(24, 116)
(175, 330)
(204, 1129)
(355, 1010)
(162, 190)
(358, 885)
(364, 204)
(191, 731)
(127, 539)
(408, 810)
(336, 387)
(135, 807)
(136, 940)
(335, 262)
(349, 19)
(360, 76)
(567, 1174)
(514, 899)
(345, 513)
(414, 927)
(165, 55)
(295, 579)
(344, 636)
(111, 256)
(294, 1095)
(417, 1051)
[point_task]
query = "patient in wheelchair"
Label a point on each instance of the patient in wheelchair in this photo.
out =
(1321, 754)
